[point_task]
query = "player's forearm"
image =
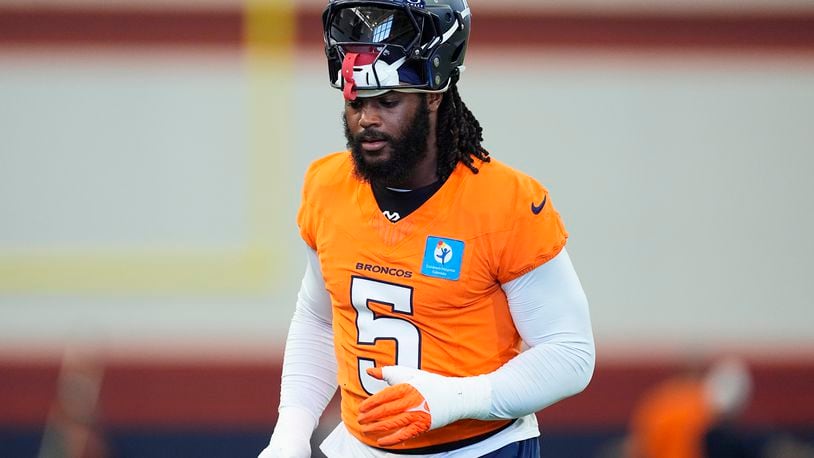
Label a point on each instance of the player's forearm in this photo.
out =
(540, 377)
(309, 367)
(550, 311)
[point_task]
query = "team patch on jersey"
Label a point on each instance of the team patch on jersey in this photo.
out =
(443, 258)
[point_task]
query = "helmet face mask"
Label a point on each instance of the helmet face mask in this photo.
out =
(378, 45)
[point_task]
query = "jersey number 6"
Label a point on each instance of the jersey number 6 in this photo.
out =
(371, 328)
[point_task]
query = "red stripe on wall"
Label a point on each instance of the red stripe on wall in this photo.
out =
(769, 31)
(120, 28)
(645, 31)
(245, 395)
(27, 391)
(196, 395)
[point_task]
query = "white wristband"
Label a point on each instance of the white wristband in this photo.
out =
(294, 422)
(453, 398)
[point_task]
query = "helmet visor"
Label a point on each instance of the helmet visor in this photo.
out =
(375, 24)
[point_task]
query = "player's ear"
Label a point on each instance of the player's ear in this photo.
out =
(434, 101)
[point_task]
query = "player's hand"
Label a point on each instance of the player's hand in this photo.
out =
(400, 409)
(418, 401)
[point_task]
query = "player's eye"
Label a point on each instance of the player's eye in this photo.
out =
(354, 104)
(388, 103)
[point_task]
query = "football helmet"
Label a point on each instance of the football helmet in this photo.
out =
(374, 46)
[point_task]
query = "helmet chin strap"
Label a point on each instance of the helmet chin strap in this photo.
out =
(349, 92)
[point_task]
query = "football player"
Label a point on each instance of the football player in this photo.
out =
(429, 264)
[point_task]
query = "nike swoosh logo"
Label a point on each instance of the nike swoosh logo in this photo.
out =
(536, 209)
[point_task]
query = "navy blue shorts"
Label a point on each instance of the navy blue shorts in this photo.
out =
(529, 448)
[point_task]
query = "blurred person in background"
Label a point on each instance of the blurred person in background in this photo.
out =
(691, 415)
(428, 263)
(72, 429)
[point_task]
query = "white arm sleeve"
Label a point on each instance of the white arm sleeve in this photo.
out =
(550, 311)
(309, 367)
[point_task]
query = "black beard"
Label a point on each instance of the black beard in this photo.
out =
(407, 150)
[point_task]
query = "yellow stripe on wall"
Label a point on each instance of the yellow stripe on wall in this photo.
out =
(244, 272)
(269, 50)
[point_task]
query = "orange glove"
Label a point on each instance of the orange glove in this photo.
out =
(399, 409)
(418, 401)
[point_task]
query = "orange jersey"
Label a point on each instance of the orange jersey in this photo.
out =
(671, 421)
(425, 292)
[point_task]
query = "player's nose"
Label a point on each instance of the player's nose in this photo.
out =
(369, 116)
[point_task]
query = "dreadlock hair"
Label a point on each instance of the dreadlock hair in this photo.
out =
(459, 134)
